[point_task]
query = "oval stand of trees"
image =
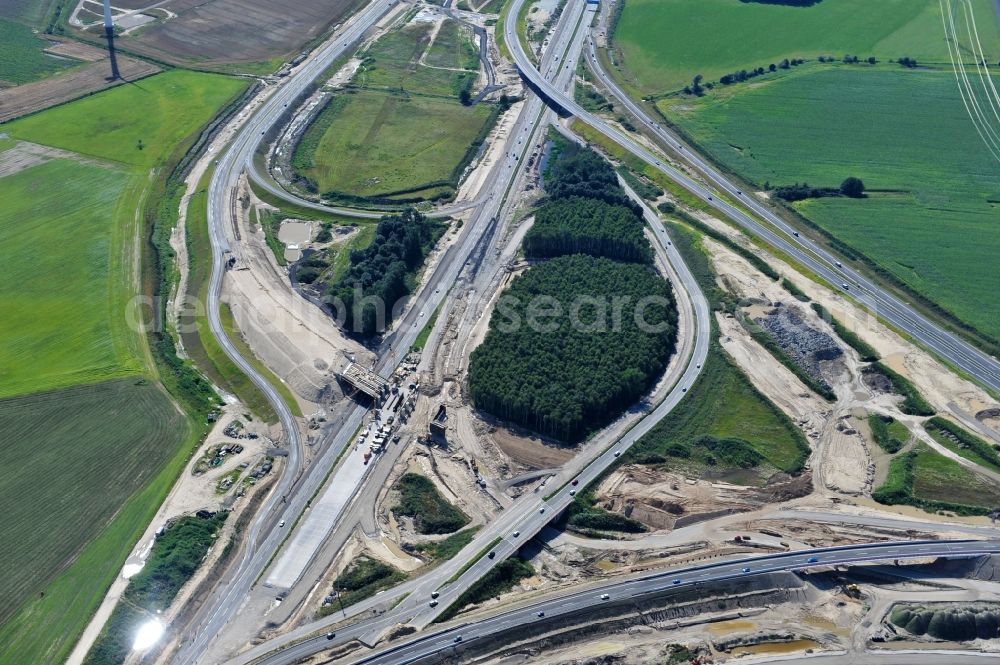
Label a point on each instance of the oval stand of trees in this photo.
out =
(579, 338)
(381, 274)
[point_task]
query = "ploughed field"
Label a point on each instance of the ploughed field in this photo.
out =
(400, 130)
(251, 35)
(92, 439)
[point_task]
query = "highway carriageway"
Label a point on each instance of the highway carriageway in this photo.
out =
(775, 232)
(453, 638)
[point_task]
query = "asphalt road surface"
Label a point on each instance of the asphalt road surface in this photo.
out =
(451, 640)
(953, 349)
(298, 484)
(532, 513)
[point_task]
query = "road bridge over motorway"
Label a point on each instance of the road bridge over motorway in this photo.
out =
(452, 639)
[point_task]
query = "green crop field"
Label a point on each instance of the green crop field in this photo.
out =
(401, 132)
(22, 58)
(161, 112)
(662, 44)
(93, 461)
(904, 132)
(31, 12)
(120, 432)
(64, 291)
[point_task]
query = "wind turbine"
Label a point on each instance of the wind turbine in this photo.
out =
(108, 23)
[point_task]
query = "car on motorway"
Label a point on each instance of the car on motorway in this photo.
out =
(331, 635)
(812, 559)
(433, 603)
(572, 492)
(492, 555)
(517, 533)
(541, 614)
(745, 569)
(458, 638)
(576, 481)
(618, 453)
(676, 581)
(839, 264)
(281, 523)
(434, 594)
(796, 234)
(846, 285)
(604, 596)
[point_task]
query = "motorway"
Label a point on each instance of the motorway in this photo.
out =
(297, 485)
(532, 513)
(529, 516)
(777, 233)
(647, 586)
(261, 538)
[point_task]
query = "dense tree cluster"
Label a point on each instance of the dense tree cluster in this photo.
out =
(582, 172)
(379, 275)
(565, 353)
(746, 75)
(851, 187)
(578, 225)
(800, 192)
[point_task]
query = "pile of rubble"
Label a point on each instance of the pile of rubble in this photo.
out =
(806, 345)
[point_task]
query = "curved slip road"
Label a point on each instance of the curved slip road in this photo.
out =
(955, 350)
(533, 512)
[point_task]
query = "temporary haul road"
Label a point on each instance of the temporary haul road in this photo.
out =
(533, 512)
(528, 518)
(297, 485)
(960, 353)
(452, 640)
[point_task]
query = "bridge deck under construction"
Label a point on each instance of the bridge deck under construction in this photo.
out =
(364, 380)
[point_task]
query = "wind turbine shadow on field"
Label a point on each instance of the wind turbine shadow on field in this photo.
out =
(109, 34)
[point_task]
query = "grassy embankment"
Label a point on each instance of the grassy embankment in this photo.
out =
(890, 434)
(173, 560)
(399, 132)
(363, 578)
(724, 425)
(77, 257)
(500, 579)
(930, 481)
(964, 443)
(199, 343)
